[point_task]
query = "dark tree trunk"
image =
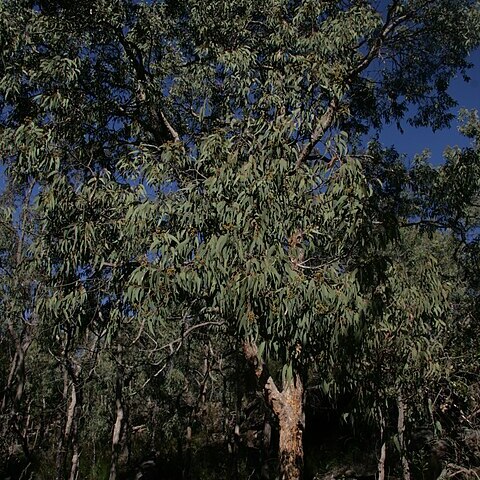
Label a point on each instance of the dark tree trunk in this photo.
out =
(266, 442)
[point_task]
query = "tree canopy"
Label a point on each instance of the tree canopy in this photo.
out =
(177, 167)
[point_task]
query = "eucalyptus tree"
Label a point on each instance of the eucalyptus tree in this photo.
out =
(17, 300)
(402, 359)
(448, 201)
(415, 355)
(244, 120)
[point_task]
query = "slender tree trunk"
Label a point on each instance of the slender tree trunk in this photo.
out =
(401, 436)
(236, 429)
(287, 405)
(61, 447)
(75, 462)
(381, 462)
(17, 367)
(8, 386)
(22, 341)
(116, 438)
(383, 448)
(119, 426)
(15, 385)
(74, 430)
(69, 436)
(71, 429)
(187, 455)
(71, 411)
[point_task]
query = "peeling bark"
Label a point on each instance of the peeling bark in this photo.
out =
(287, 405)
(289, 410)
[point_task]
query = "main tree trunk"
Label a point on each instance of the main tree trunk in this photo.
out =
(289, 410)
(287, 405)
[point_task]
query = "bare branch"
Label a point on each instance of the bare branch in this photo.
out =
(161, 129)
(323, 124)
(328, 117)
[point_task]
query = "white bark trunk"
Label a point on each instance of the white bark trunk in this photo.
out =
(401, 436)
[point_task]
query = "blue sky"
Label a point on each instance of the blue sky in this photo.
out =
(415, 140)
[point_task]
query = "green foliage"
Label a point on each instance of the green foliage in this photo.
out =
(191, 164)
